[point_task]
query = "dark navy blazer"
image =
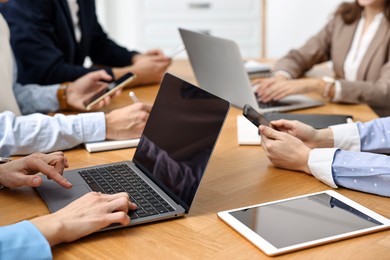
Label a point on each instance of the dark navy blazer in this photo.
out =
(43, 40)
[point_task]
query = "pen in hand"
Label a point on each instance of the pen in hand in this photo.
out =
(133, 97)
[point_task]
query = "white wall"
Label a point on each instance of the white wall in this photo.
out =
(118, 18)
(289, 22)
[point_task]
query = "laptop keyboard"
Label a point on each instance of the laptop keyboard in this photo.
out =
(271, 104)
(121, 178)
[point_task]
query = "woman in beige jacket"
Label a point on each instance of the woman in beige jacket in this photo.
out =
(357, 41)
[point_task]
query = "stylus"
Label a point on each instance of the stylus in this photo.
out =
(133, 97)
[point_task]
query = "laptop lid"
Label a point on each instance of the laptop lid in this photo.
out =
(219, 69)
(178, 139)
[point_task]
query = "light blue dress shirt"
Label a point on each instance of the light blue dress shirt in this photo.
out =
(365, 166)
(23, 241)
(34, 98)
(368, 170)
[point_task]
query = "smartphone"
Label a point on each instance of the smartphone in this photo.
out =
(112, 87)
(252, 115)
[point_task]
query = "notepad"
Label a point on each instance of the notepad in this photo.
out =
(256, 69)
(247, 133)
(110, 145)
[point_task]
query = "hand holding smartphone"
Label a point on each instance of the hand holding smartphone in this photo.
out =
(252, 115)
(112, 87)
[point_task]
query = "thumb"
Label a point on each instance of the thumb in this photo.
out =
(30, 180)
(269, 132)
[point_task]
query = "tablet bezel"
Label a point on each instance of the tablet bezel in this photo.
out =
(271, 250)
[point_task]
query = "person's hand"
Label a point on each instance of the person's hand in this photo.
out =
(280, 87)
(22, 172)
(84, 216)
(284, 150)
(150, 53)
(149, 67)
(127, 122)
(80, 92)
(308, 135)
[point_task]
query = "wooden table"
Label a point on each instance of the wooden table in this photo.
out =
(236, 176)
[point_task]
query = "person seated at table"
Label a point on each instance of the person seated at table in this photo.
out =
(353, 156)
(357, 42)
(38, 132)
(51, 40)
(32, 239)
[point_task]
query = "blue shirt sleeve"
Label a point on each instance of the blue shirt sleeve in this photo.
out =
(369, 169)
(375, 135)
(42, 133)
(23, 241)
(36, 99)
(368, 172)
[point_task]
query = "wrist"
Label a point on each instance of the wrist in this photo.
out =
(62, 96)
(2, 161)
(50, 228)
(328, 85)
(110, 132)
(324, 138)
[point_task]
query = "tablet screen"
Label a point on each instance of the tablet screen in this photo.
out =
(300, 220)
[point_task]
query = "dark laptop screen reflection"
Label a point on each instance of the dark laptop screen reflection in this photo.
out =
(190, 117)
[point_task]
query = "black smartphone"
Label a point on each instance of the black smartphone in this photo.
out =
(252, 115)
(112, 87)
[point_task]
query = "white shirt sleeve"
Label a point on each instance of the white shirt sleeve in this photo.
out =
(346, 137)
(337, 91)
(320, 164)
(42, 133)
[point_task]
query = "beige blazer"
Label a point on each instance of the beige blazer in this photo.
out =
(332, 43)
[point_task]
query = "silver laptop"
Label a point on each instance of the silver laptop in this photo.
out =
(169, 161)
(219, 69)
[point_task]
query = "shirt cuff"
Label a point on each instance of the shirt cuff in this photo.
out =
(320, 164)
(94, 126)
(281, 72)
(337, 91)
(346, 137)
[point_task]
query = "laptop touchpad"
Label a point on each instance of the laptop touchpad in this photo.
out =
(57, 198)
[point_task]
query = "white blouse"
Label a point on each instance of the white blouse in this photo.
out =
(357, 51)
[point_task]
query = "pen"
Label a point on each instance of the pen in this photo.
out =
(133, 97)
(176, 51)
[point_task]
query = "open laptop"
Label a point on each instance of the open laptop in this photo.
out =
(168, 163)
(219, 69)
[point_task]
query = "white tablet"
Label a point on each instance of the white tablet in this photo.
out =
(295, 223)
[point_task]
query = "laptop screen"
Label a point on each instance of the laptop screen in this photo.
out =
(179, 137)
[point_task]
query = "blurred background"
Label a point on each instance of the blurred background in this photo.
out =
(262, 28)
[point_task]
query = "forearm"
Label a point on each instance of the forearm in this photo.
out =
(375, 135)
(36, 99)
(366, 172)
(41, 133)
(23, 241)
(49, 228)
(324, 138)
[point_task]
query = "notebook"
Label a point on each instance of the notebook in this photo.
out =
(256, 69)
(110, 145)
(169, 162)
(218, 67)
